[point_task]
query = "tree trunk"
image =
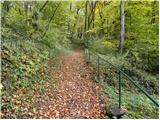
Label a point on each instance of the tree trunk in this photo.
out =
(122, 34)
(85, 23)
(91, 15)
(43, 6)
(101, 32)
(5, 9)
(26, 12)
(51, 19)
(153, 12)
(74, 26)
(70, 9)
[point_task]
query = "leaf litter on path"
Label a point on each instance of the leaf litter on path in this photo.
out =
(69, 94)
(75, 94)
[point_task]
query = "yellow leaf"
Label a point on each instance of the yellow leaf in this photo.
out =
(41, 112)
(34, 110)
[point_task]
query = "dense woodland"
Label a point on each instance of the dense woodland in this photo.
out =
(36, 33)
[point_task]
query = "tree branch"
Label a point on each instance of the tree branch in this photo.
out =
(43, 6)
(51, 19)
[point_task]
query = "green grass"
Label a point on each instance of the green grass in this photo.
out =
(138, 105)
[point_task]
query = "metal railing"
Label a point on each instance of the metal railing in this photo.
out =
(120, 73)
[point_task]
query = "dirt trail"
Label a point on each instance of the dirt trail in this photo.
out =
(75, 95)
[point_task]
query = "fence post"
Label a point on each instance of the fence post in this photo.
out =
(98, 67)
(119, 89)
(88, 55)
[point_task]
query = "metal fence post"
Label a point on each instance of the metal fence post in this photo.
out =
(119, 89)
(98, 67)
(89, 56)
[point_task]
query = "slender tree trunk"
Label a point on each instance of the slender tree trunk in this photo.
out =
(130, 19)
(85, 24)
(101, 32)
(70, 9)
(122, 34)
(51, 19)
(26, 12)
(91, 15)
(43, 6)
(153, 12)
(93, 19)
(5, 9)
(88, 23)
(74, 26)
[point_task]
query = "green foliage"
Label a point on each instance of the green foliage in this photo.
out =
(31, 35)
(136, 103)
(20, 64)
(145, 79)
(145, 57)
(141, 32)
(103, 46)
(29, 40)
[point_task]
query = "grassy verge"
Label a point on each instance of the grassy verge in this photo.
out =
(136, 103)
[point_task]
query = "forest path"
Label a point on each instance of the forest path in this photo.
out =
(75, 95)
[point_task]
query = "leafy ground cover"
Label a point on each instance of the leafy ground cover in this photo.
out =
(25, 70)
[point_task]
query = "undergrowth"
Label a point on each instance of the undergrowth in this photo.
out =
(136, 103)
(25, 75)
